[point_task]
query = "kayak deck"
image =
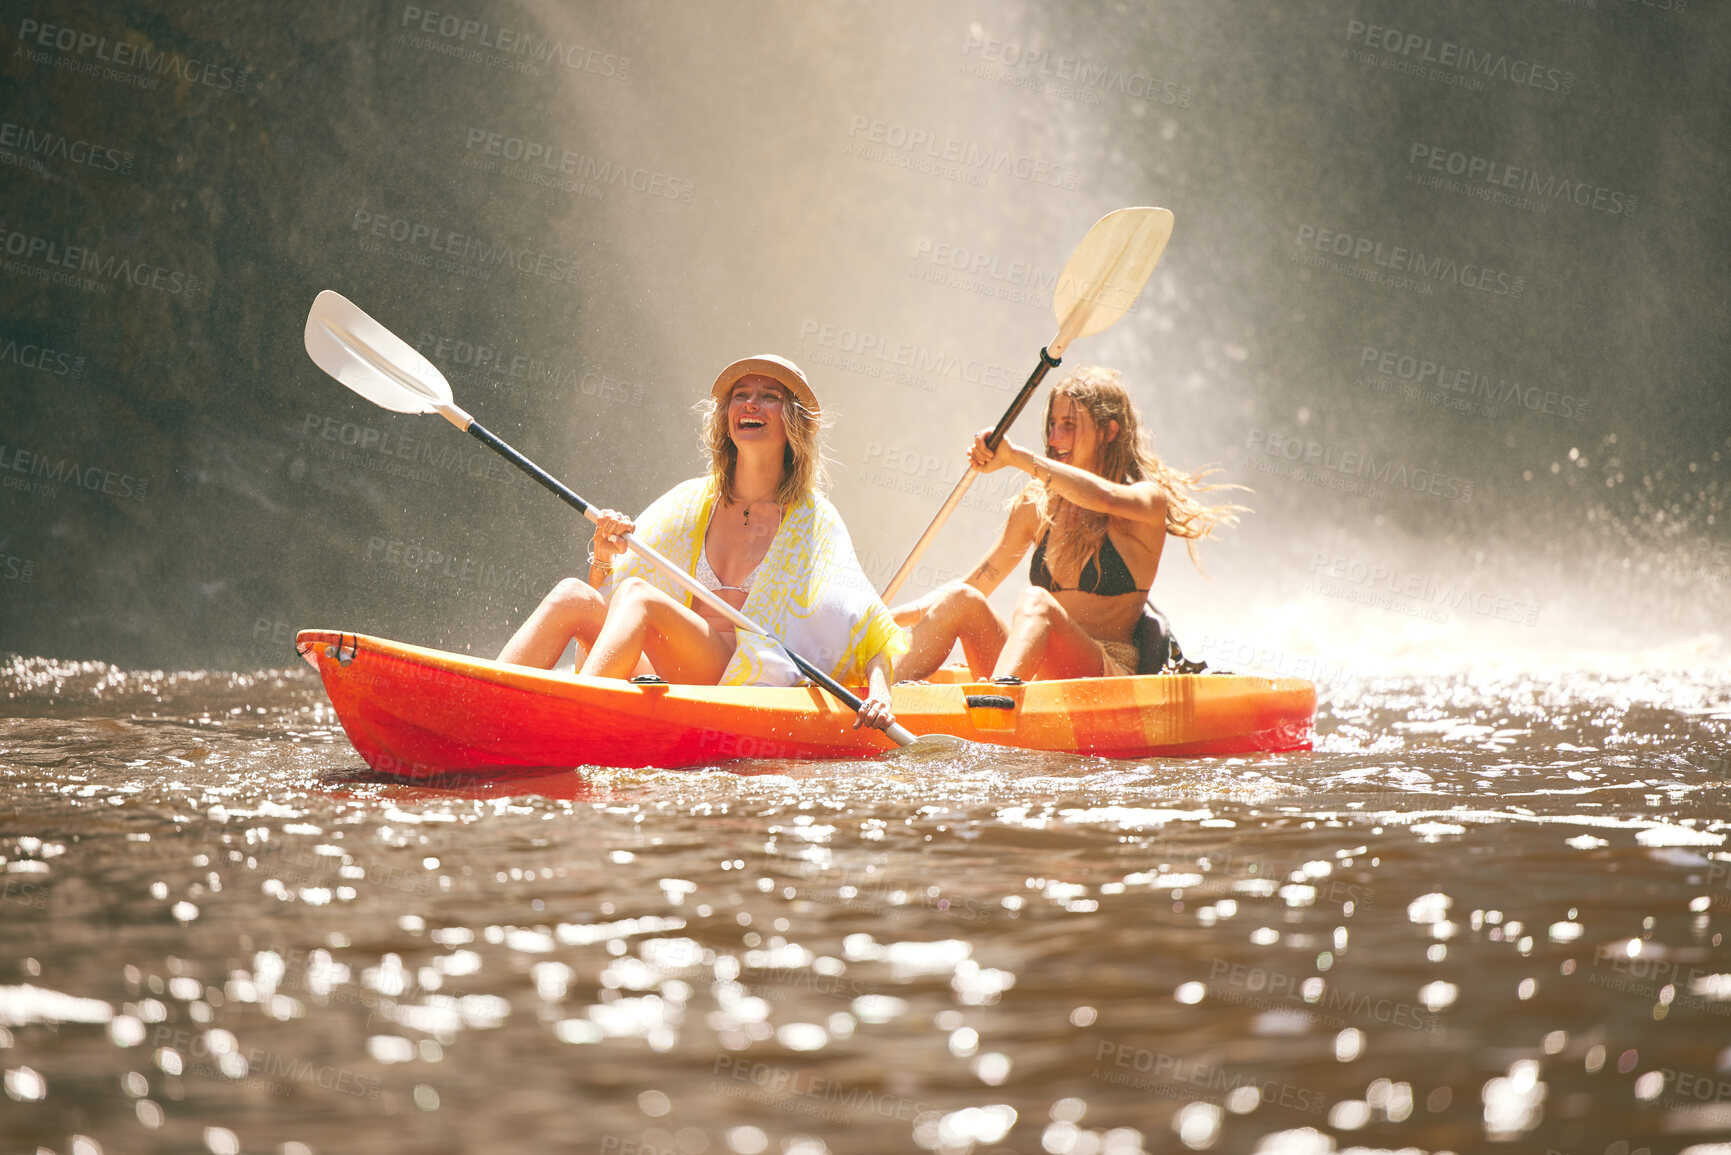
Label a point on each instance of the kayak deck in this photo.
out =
(414, 712)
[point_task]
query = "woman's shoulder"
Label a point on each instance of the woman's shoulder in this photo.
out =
(694, 488)
(820, 514)
(814, 505)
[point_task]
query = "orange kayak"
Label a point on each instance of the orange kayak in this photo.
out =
(414, 713)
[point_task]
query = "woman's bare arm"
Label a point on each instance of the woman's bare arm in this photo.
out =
(875, 710)
(1140, 501)
(1013, 542)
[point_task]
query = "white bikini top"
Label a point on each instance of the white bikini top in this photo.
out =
(705, 573)
(711, 581)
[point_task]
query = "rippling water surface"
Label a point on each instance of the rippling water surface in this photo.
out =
(1487, 913)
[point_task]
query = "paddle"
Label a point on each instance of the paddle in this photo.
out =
(382, 367)
(1101, 281)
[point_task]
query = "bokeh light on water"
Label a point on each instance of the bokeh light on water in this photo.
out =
(1484, 910)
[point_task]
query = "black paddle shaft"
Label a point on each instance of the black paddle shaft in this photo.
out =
(486, 437)
(1047, 361)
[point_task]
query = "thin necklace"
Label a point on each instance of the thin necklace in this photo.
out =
(747, 506)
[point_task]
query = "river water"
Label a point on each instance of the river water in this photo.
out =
(1486, 913)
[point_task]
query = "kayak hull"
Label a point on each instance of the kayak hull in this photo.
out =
(418, 713)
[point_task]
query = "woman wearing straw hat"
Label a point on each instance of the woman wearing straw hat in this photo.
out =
(1097, 517)
(758, 532)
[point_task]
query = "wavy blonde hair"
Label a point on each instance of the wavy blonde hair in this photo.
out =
(1076, 534)
(802, 467)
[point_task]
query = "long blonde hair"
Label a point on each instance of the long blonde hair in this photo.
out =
(1126, 459)
(802, 468)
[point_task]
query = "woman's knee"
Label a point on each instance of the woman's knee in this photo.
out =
(632, 589)
(636, 600)
(956, 602)
(973, 615)
(574, 593)
(967, 598)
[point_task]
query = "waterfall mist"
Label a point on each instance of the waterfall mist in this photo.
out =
(1446, 290)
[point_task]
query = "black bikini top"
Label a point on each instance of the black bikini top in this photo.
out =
(1111, 576)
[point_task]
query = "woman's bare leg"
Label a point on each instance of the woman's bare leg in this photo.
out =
(1045, 643)
(940, 619)
(572, 610)
(644, 622)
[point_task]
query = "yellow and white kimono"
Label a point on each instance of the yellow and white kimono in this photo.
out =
(809, 591)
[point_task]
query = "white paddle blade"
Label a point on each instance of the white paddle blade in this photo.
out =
(370, 359)
(1108, 269)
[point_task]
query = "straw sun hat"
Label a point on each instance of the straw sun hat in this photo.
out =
(778, 369)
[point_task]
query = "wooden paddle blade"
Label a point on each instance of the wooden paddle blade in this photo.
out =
(370, 359)
(1108, 270)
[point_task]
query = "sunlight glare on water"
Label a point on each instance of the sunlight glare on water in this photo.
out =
(1487, 908)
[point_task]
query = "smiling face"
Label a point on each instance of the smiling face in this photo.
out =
(1071, 435)
(755, 412)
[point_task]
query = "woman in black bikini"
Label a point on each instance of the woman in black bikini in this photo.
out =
(1097, 517)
